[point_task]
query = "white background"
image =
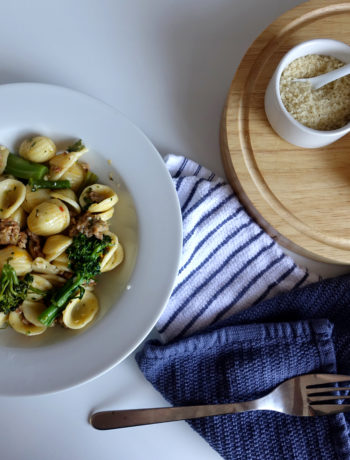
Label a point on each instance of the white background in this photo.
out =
(167, 65)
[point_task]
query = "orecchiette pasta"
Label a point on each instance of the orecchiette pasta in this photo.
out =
(12, 195)
(49, 218)
(67, 196)
(55, 280)
(62, 263)
(55, 245)
(110, 251)
(41, 265)
(116, 259)
(54, 238)
(106, 215)
(24, 327)
(19, 216)
(4, 153)
(32, 199)
(38, 149)
(98, 198)
(75, 174)
(40, 283)
(31, 310)
(18, 258)
(89, 287)
(80, 312)
(3, 320)
(61, 163)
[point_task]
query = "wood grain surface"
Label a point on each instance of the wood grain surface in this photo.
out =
(300, 196)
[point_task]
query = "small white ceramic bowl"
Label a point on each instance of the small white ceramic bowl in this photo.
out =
(280, 119)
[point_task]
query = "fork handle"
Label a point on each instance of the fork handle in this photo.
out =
(108, 420)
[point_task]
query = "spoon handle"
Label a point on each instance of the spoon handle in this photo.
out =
(321, 80)
(333, 75)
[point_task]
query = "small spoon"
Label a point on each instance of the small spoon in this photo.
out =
(321, 80)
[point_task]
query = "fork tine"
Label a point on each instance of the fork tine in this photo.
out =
(329, 409)
(321, 379)
(315, 399)
(320, 390)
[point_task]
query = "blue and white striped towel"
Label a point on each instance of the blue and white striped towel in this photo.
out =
(228, 262)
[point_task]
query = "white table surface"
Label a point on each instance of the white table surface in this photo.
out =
(167, 65)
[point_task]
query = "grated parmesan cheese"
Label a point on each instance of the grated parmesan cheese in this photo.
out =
(324, 109)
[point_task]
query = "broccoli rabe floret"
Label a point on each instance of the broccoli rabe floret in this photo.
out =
(85, 254)
(14, 290)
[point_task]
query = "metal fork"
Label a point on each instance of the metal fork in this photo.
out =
(306, 395)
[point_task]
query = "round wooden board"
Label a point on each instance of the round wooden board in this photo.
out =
(300, 196)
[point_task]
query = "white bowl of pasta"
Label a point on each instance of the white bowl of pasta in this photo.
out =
(90, 238)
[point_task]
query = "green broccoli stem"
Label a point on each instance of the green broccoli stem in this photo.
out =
(36, 184)
(12, 278)
(36, 291)
(61, 298)
(19, 167)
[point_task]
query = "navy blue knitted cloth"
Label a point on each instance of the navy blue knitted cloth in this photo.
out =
(305, 330)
